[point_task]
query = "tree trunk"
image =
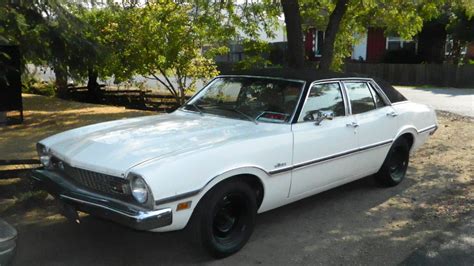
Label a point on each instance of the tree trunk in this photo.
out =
(93, 87)
(61, 81)
(182, 96)
(327, 53)
(295, 50)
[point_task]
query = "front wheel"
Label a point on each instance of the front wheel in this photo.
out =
(395, 166)
(225, 218)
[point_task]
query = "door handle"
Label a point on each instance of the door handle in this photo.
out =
(392, 114)
(353, 124)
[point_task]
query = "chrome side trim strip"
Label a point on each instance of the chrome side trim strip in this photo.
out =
(197, 191)
(423, 130)
(282, 170)
(331, 157)
(179, 196)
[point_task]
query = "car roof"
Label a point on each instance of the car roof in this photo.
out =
(310, 74)
(306, 74)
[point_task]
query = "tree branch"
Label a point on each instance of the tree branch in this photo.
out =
(171, 90)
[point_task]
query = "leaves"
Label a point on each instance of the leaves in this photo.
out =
(404, 18)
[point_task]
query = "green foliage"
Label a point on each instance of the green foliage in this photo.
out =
(175, 42)
(162, 42)
(461, 21)
(48, 34)
(254, 51)
(398, 17)
(34, 86)
(108, 30)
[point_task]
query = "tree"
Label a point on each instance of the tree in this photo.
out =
(344, 19)
(460, 28)
(48, 33)
(166, 45)
(335, 19)
(106, 29)
(295, 50)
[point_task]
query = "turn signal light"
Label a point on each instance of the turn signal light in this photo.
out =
(183, 206)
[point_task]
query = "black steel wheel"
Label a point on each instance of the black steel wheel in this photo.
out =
(395, 166)
(225, 218)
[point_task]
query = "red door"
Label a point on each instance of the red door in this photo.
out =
(376, 42)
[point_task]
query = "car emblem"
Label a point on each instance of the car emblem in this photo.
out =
(280, 165)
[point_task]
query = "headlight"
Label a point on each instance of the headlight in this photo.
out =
(139, 189)
(44, 155)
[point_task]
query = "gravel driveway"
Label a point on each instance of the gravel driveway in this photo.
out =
(458, 101)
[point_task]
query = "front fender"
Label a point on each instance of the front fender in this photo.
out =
(275, 191)
(188, 176)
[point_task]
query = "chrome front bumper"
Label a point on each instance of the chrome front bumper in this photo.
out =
(8, 236)
(102, 206)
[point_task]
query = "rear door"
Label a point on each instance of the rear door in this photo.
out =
(376, 124)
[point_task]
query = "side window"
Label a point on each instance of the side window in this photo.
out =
(360, 97)
(379, 103)
(324, 97)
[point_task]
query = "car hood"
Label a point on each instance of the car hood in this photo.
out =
(114, 147)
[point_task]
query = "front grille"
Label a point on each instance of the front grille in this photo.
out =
(94, 181)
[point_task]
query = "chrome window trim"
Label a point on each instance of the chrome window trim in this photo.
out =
(373, 99)
(290, 121)
(374, 94)
(381, 92)
(318, 82)
(378, 90)
(349, 105)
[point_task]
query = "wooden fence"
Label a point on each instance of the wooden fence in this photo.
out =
(417, 74)
(136, 99)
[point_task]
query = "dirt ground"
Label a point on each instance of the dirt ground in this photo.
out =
(359, 223)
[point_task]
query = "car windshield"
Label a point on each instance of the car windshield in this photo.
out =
(249, 98)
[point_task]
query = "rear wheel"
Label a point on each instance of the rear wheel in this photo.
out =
(395, 166)
(225, 218)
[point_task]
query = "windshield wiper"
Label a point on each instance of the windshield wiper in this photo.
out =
(196, 107)
(248, 117)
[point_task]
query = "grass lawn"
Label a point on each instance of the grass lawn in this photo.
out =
(45, 116)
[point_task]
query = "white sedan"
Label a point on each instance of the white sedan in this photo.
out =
(243, 145)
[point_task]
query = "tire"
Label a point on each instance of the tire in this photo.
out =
(395, 166)
(225, 218)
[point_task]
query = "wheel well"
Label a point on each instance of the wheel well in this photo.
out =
(409, 138)
(253, 181)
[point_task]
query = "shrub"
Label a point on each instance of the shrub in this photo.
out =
(39, 87)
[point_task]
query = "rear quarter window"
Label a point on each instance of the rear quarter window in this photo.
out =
(392, 94)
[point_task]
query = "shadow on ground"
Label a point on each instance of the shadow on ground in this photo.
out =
(100, 241)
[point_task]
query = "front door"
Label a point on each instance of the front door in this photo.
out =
(321, 146)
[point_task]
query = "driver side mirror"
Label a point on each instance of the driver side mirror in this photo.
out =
(318, 116)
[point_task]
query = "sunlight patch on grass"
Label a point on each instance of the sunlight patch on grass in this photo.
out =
(9, 181)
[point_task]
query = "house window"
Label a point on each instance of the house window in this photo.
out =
(449, 48)
(398, 43)
(318, 39)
